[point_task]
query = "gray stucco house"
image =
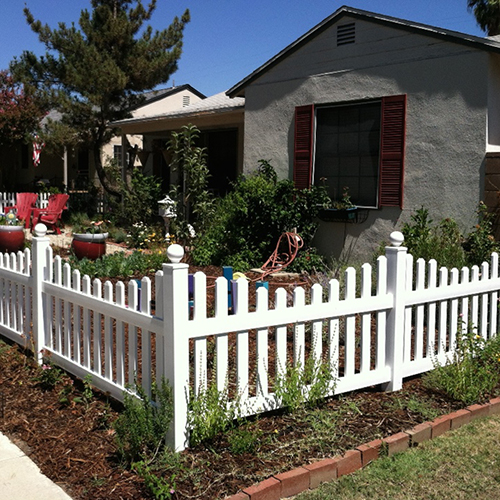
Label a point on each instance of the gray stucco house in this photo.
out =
(404, 114)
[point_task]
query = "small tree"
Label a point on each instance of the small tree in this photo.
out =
(20, 110)
(193, 202)
(95, 73)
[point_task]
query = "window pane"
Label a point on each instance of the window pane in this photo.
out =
(347, 151)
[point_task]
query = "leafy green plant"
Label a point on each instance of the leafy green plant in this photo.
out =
(210, 412)
(48, 375)
(141, 428)
(244, 440)
(304, 385)
(248, 221)
(120, 265)
(140, 196)
(473, 372)
(162, 489)
(445, 243)
(480, 243)
(442, 242)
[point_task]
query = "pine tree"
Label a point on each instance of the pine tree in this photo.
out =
(92, 74)
(487, 13)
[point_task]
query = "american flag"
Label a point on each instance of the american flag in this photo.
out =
(37, 149)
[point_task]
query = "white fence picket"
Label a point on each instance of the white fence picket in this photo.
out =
(262, 347)
(222, 341)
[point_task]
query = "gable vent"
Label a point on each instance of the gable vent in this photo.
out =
(346, 34)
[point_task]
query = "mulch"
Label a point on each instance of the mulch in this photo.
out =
(73, 442)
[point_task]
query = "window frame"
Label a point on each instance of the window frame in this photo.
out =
(392, 148)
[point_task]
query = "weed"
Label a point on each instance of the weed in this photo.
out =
(244, 440)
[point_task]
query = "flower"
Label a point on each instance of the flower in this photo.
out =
(10, 219)
(90, 227)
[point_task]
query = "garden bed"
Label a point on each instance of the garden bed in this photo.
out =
(71, 437)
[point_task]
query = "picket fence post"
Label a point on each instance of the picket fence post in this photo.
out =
(396, 283)
(176, 342)
(40, 243)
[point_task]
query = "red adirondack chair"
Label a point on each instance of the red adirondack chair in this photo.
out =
(51, 215)
(25, 204)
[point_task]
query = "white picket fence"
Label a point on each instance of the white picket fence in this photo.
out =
(385, 325)
(9, 200)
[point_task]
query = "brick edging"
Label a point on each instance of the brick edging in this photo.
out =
(287, 484)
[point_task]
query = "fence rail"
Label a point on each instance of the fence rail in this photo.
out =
(392, 321)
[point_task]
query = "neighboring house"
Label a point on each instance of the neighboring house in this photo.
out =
(155, 102)
(405, 115)
(220, 121)
(75, 167)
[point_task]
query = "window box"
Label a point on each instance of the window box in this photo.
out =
(346, 215)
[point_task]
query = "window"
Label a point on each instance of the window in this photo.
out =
(117, 154)
(358, 145)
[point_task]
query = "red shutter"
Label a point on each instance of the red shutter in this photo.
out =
(303, 146)
(392, 151)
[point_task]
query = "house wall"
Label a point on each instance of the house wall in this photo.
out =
(446, 85)
(175, 101)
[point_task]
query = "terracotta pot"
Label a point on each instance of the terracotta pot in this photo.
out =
(91, 246)
(11, 238)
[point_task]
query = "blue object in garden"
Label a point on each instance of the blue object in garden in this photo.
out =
(227, 272)
(260, 284)
(139, 293)
(191, 290)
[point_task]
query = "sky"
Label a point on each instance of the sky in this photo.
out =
(227, 40)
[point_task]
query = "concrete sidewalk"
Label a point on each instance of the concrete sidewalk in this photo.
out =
(21, 479)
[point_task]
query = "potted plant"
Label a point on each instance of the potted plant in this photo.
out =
(89, 240)
(343, 210)
(11, 232)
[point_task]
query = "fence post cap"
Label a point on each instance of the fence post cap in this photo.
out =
(396, 238)
(40, 230)
(175, 253)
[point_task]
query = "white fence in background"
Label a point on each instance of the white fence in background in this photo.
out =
(9, 200)
(387, 324)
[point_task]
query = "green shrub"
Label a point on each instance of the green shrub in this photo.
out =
(473, 372)
(480, 243)
(445, 243)
(247, 223)
(139, 201)
(142, 426)
(442, 242)
(210, 412)
(304, 385)
(120, 265)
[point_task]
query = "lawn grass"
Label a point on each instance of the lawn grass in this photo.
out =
(461, 464)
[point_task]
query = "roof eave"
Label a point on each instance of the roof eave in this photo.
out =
(238, 90)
